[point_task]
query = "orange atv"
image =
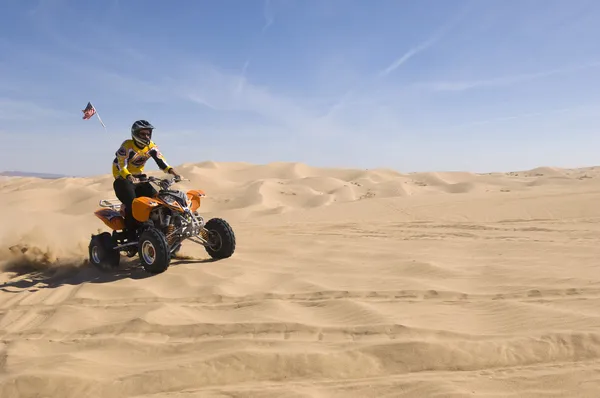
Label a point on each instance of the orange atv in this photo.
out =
(166, 221)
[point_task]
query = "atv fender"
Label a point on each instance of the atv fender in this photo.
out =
(142, 207)
(111, 218)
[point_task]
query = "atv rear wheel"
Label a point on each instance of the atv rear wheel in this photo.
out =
(221, 239)
(153, 251)
(101, 252)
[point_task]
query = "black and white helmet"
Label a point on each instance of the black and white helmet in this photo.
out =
(141, 141)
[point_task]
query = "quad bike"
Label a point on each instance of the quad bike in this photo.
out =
(166, 220)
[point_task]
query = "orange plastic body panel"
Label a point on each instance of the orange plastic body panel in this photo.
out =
(194, 196)
(142, 207)
(112, 218)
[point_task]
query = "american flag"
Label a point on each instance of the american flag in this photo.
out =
(89, 111)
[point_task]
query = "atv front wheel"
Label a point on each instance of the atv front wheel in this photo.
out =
(101, 252)
(153, 251)
(221, 239)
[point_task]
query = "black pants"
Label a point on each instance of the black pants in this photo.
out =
(127, 191)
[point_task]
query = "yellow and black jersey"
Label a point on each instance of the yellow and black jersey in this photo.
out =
(131, 159)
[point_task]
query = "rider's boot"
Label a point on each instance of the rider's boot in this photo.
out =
(130, 234)
(131, 237)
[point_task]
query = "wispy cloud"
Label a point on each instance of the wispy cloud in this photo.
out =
(547, 114)
(189, 79)
(462, 85)
(365, 87)
(11, 109)
(44, 6)
(408, 55)
(242, 78)
(210, 86)
(272, 95)
(194, 81)
(268, 14)
(511, 117)
(440, 33)
(105, 79)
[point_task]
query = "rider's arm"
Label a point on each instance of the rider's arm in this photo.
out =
(160, 159)
(122, 158)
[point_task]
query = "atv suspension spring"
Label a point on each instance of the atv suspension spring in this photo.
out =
(204, 234)
(171, 237)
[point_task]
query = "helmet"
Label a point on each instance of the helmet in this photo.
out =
(136, 127)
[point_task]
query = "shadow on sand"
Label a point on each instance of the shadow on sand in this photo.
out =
(32, 277)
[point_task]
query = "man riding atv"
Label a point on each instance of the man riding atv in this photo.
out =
(152, 224)
(129, 161)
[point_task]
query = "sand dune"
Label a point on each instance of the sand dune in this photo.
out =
(345, 283)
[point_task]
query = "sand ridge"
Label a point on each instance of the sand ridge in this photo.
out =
(346, 282)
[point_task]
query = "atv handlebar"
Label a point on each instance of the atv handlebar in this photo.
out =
(164, 183)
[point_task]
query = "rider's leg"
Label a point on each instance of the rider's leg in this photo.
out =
(125, 191)
(145, 189)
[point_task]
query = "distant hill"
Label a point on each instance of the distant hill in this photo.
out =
(29, 174)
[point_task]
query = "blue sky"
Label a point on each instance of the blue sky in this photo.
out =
(493, 85)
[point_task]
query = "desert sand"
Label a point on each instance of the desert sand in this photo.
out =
(345, 283)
